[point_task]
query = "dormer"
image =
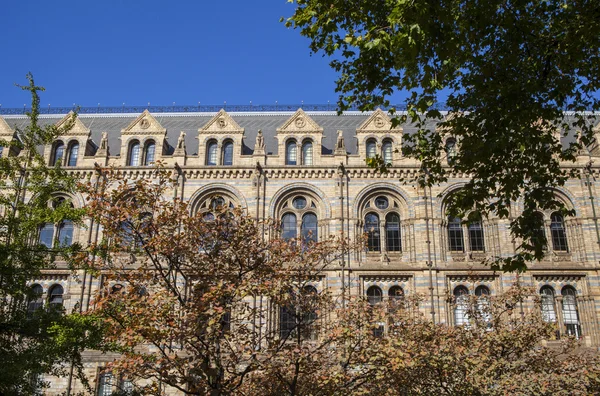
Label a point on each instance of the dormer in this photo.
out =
(71, 143)
(450, 141)
(594, 147)
(376, 136)
(299, 140)
(143, 142)
(220, 141)
(7, 134)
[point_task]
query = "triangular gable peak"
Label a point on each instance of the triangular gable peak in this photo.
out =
(78, 128)
(6, 132)
(378, 122)
(594, 147)
(221, 123)
(144, 124)
(300, 123)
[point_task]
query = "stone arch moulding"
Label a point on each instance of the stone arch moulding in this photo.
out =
(443, 196)
(214, 188)
(563, 195)
(76, 199)
(381, 188)
(298, 188)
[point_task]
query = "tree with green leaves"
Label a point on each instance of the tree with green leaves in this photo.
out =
(516, 76)
(34, 339)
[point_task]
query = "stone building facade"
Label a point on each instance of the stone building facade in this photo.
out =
(307, 169)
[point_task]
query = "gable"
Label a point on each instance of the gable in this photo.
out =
(78, 128)
(300, 122)
(378, 122)
(144, 124)
(221, 123)
(5, 129)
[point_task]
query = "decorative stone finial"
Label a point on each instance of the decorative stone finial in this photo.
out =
(340, 146)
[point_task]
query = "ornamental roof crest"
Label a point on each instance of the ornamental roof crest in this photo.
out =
(144, 124)
(78, 128)
(5, 129)
(221, 123)
(300, 123)
(378, 122)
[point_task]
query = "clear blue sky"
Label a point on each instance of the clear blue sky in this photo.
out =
(110, 52)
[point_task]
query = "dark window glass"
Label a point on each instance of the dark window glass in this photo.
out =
(451, 150)
(548, 307)
(570, 314)
(59, 151)
(371, 148)
(482, 291)
(559, 236)
(291, 153)
(228, 153)
(55, 296)
(47, 235)
(287, 321)
(307, 153)
(309, 227)
(387, 152)
(455, 235)
(288, 225)
(73, 153)
(134, 154)
(105, 384)
(309, 316)
(374, 295)
(35, 300)
(211, 153)
(372, 230)
(150, 152)
(218, 202)
(299, 203)
(476, 240)
(392, 232)
(539, 235)
(65, 233)
(381, 203)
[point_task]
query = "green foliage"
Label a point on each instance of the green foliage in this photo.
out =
(32, 344)
(517, 75)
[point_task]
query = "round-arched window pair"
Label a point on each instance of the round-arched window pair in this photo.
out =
(382, 236)
(300, 218)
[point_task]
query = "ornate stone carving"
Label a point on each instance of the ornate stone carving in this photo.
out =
(340, 146)
(259, 144)
(145, 124)
(104, 141)
(379, 122)
(222, 122)
(300, 122)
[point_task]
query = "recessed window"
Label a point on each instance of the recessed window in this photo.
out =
(548, 307)
(371, 148)
(211, 153)
(559, 236)
(455, 235)
(228, 153)
(150, 153)
(57, 153)
(73, 154)
(55, 296)
(291, 153)
(382, 203)
(307, 153)
(134, 154)
(387, 152)
(289, 226)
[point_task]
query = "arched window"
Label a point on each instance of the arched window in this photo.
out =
(65, 233)
(211, 153)
(288, 226)
(451, 150)
(476, 240)
(228, 153)
(372, 230)
(47, 235)
(548, 307)
(371, 148)
(309, 316)
(539, 234)
(396, 297)
(374, 295)
(307, 152)
(73, 154)
(291, 152)
(461, 295)
(58, 153)
(482, 291)
(105, 383)
(134, 154)
(392, 232)
(455, 235)
(288, 318)
(483, 306)
(309, 228)
(569, 309)
(35, 300)
(559, 236)
(387, 152)
(55, 296)
(150, 152)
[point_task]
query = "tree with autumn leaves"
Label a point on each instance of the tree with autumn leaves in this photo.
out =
(216, 303)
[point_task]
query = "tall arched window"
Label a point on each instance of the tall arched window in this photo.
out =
(65, 233)
(55, 296)
(134, 154)
(455, 235)
(387, 151)
(371, 148)
(451, 150)
(35, 300)
(374, 295)
(392, 232)
(539, 234)
(476, 240)
(150, 152)
(559, 236)
(291, 155)
(548, 307)
(288, 226)
(307, 152)
(309, 314)
(73, 154)
(483, 306)
(461, 295)
(309, 228)
(47, 235)
(569, 309)
(211, 153)
(58, 153)
(372, 230)
(396, 297)
(228, 153)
